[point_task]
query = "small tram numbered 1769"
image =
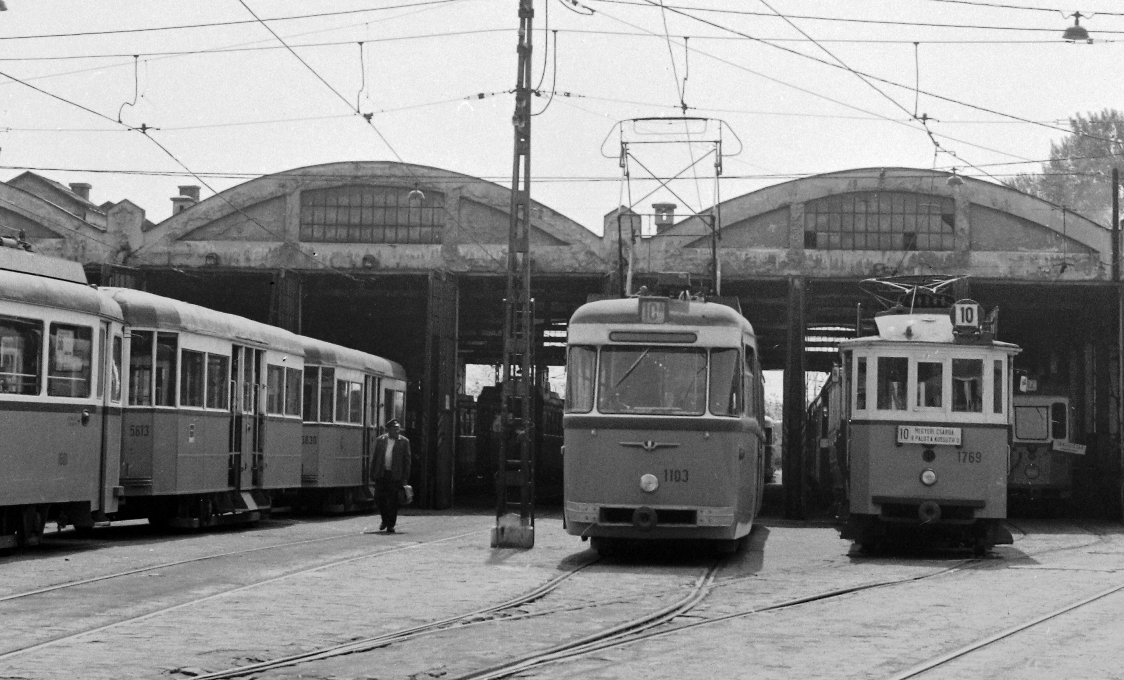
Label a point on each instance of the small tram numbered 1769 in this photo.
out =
(663, 435)
(927, 418)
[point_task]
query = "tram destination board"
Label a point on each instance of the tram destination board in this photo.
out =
(919, 434)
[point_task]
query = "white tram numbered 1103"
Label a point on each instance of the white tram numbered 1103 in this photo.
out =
(663, 429)
(926, 418)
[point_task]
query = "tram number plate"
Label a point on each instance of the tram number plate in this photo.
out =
(971, 457)
(920, 434)
(675, 475)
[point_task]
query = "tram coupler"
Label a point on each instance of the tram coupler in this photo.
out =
(511, 531)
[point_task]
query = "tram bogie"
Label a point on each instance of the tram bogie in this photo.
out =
(664, 435)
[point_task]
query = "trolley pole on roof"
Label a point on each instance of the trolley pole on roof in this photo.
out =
(515, 476)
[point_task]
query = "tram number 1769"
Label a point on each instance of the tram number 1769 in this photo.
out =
(675, 475)
(971, 457)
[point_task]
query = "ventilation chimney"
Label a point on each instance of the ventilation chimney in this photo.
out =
(189, 196)
(81, 188)
(665, 216)
(181, 203)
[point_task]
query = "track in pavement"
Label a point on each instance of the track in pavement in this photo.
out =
(165, 565)
(225, 593)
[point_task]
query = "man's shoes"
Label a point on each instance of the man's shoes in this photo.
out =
(382, 527)
(390, 530)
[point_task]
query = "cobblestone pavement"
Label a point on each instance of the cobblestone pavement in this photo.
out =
(291, 585)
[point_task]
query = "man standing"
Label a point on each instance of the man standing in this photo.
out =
(390, 470)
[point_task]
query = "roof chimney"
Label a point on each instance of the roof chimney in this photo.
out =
(181, 203)
(665, 216)
(81, 188)
(189, 196)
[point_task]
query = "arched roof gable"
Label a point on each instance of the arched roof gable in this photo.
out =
(385, 173)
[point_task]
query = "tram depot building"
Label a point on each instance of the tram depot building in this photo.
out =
(409, 263)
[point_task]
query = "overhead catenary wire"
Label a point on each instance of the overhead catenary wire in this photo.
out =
(215, 24)
(485, 31)
(814, 93)
(886, 81)
(144, 130)
(846, 20)
(367, 118)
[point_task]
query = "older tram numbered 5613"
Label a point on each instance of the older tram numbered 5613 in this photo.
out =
(676, 475)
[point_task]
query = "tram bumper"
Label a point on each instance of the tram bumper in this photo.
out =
(622, 521)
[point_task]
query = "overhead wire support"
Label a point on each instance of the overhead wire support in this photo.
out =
(516, 464)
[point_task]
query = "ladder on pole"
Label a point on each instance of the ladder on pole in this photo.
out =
(515, 476)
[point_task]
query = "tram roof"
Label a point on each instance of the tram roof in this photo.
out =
(146, 310)
(325, 353)
(679, 312)
(19, 260)
(57, 294)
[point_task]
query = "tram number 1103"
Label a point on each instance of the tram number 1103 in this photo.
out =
(675, 475)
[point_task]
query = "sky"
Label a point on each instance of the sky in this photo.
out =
(801, 87)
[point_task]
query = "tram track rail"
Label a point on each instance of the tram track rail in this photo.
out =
(598, 642)
(645, 628)
(979, 644)
(168, 565)
(367, 644)
(226, 593)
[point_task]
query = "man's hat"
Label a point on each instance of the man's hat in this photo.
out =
(393, 422)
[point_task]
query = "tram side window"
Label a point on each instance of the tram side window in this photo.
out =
(311, 405)
(394, 405)
(580, 367)
(327, 385)
(998, 387)
(69, 361)
(140, 368)
(20, 342)
(750, 384)
(218, 381)
(342, 390)
(725, 382)
(115, 377)
(292, 391)
(1058, 420)
(860, 385)
(101, 362)
(891, 383)
(355, 400)
(967, 385)
(930, 384)
(166, 369)
(274, 389)
(192, 390)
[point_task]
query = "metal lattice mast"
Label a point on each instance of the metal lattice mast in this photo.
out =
(516, 468)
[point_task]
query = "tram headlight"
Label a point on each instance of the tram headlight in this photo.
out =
(649, 483)
(1032, 471)
(928, 477)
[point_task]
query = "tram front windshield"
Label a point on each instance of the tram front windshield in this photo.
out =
(655, 380)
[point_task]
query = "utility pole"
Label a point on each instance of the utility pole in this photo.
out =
(516, 469)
